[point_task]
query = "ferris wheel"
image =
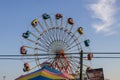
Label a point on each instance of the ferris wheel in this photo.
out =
(55, 41)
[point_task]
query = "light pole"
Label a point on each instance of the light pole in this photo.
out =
(81, 64)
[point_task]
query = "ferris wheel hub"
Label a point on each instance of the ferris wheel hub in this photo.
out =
(57, 46)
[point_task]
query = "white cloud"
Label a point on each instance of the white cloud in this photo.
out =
(104, 10)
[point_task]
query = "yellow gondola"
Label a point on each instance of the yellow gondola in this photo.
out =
(80, 30)
(34, 22)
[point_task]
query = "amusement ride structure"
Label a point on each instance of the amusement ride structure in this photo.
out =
(57, 42)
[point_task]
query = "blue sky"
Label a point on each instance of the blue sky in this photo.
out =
(99, 18)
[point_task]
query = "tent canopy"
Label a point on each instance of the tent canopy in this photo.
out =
(45, 73)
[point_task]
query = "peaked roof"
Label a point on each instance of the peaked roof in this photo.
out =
(45, 73)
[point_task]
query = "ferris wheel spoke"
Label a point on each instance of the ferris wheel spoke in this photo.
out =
(46, 23)
(51, 22)
(66, 26)
(76, 39)
(68, 33)
(31, 40)
(59, 34)
(30, 47)
(56, 20)
(73, 49)
(44, 42)
(85, 65)
(56, 33)
(41, 49)
(49, 33)
(47, 38)
(36, 37)
(70, 22)
(76, 61)
(52, 29)
(72, 36)
(44, 48)
(37, 43)
(49, 59)
(45, 59)
(59, 18)
(37, 61)
(64, 34)
(33, 35)
(67, 36)
(70, 47)
(71, 28)
(53, 33)
(73, 66)
(41, 26)
(37, 30)
(61, 24)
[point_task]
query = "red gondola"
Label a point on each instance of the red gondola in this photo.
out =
(70, 21)
(23, 50)
(58, 16)
(90, 56)
(26, 67)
